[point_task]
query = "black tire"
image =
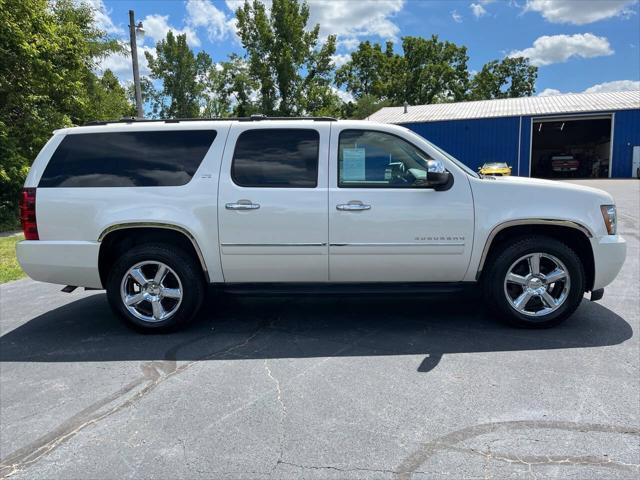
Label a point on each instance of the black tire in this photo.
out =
(181, 266)
(498, 267)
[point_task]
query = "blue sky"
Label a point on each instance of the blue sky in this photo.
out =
(579, 45)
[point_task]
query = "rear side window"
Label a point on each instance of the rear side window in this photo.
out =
(127, 159)
(286, 158)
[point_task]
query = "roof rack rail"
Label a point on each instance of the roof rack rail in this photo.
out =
(252, 118)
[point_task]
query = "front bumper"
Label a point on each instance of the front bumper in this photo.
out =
(66, 263)
(609, 253)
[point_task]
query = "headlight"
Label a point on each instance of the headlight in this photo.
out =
(610, 220)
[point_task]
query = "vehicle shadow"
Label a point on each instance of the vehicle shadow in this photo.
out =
(302, 327)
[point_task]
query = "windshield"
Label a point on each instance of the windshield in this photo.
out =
(496, 165)
(450, 157)
(456, 161)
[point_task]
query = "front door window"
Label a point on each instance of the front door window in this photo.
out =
(372, 159)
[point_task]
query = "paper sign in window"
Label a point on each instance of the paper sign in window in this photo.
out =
(353, 164)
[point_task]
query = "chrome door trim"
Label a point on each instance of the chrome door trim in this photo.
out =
(526, 221)
(167, 226)
(273, 244)
(438, 244)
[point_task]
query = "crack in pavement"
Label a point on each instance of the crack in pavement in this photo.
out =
(153, 374)
(345, 470)
(449, 442)
(283, 410)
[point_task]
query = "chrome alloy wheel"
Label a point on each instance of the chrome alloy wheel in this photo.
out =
(151, 291)
(537, 284)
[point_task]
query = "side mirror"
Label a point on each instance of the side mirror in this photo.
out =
(438, 177)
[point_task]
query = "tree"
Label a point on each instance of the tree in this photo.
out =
(49, 53)
(152, 99)
(183, 76)
(509, 78)
(363, 107)
(110, 99)
(369, 72)
(237, 85)
(292, 72)
(428, 71)
(434, 71)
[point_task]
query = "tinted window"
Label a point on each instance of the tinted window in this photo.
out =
(127, 159)
(373, 159)
(276, 158)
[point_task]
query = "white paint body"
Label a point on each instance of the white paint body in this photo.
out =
(297, 234)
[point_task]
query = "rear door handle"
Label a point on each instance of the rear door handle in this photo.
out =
(242, 205)
(353, 207)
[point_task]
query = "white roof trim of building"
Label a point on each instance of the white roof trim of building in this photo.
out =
(511, 107)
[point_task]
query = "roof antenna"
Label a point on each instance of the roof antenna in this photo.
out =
(406, 107)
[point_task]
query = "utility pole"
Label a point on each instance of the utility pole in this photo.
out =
(133, 28)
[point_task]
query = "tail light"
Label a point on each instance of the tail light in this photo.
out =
(28, 214)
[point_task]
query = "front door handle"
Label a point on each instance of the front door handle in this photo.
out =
(353, 207)
(242, 205)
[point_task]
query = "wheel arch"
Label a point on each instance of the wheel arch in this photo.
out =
(573, 234)
(118, 237)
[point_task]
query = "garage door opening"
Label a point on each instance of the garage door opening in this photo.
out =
(571, 148)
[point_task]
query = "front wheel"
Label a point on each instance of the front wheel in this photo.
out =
(155, 288)
(536, 282)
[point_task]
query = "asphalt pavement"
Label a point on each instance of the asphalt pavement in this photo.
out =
(383, 387)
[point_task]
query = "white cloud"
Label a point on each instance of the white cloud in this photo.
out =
(456, 16)
(102, 16)
(233, 5)
(478, 10)
(349, 43)
(549, 92)
(606, 87)
(579, 12)
(120, 63)
(348, 18)
(616, 86)
(202, 13)
(547, 50)
(344, 96)
(157, 26)
(340, 59)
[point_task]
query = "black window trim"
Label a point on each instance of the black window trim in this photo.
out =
(306, 129)
(378, 186)
(216, 135)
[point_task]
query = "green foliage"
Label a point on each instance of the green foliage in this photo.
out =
(48, 55)
(370, 70)
(109, 98)
(431, 71)
(236, 84)
(291, 71)
(182, 74)
(363, 107)
(428, 71)
(509, 78)
(152, 99)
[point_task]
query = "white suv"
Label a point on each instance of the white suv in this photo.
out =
(153, 211)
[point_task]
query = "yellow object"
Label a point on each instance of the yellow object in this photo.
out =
(495, 168)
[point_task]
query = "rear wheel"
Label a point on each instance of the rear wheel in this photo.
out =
(536, 282)
(155, 287)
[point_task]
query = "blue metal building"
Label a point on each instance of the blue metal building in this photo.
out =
(601, 131)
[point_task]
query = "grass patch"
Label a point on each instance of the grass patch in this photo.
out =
(9, 268)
